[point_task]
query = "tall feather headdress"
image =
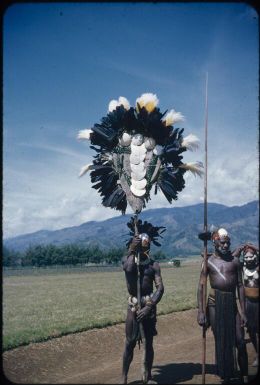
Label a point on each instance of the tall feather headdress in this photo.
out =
(138, 148)
(145, 227)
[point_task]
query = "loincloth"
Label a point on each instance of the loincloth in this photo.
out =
(252, 314)
(224, 331)
(149, 322)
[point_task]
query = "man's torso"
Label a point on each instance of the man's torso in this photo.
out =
(223, 273)
(147, 274)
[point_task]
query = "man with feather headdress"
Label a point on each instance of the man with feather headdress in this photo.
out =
(144, 316)
(138, 148)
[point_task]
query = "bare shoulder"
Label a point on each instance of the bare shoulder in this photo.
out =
(123, 260)
(156, 266)
(212, 258)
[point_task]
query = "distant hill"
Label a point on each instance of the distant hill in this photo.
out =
(180, 238)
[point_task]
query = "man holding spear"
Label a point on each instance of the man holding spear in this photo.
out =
(227, 323)
(221, 312)
(141, 272)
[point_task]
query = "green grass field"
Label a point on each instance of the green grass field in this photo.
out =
(38, 307)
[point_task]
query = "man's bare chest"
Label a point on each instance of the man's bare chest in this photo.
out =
(222, 267)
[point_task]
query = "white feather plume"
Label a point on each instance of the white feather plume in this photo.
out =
(148, 100)
(191, 142)
(85, 169)
(112, 105)
(194, 167)
(172, 117)
(84, 134)
(122, 100)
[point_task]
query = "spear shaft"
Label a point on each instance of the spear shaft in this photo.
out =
(139, 282)
(205, 251)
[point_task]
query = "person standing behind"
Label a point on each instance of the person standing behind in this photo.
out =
(251, 284)
(223, 270)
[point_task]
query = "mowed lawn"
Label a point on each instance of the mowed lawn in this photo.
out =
(37, 307)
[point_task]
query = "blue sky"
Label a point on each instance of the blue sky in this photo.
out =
(64, 62)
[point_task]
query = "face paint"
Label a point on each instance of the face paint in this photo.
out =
(222, 245)
(217, 269)
(145, 240)
(250, 260)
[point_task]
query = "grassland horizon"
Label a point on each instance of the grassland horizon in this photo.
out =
(37, 307)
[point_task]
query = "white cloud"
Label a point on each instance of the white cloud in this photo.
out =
(64, 200)
(143, 74)
(46, 193)
(58, 150)
(233, 180)
(64, 211)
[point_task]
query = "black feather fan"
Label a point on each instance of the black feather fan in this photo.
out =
(145, 227)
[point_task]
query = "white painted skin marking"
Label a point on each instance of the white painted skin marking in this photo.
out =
(217, 269)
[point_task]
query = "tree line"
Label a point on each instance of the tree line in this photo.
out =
(71, 254)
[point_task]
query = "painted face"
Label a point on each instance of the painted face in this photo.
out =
(222, 245)
(145, 241)
(250, 260)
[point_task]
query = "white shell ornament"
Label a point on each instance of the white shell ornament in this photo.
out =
(137, 139)
(125, 140)
(137, 168)
(139, 184)
(138, 175)
(149, 143)
(141, 150)
(137, 192)
(137, 158)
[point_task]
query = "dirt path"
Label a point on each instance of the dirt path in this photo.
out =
(95, 356)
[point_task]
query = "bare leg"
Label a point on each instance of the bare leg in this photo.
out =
(253, 339)
(255, 342)
(127, 359)
(129, 344)
(148, 355)
(241, 348)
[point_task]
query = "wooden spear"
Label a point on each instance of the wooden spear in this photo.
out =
(139, 282)
(204, 303)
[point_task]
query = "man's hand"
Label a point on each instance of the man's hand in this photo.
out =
(250, 246)
(135, 244)
(238, 250)
(201, 318)
(243, 320)
(143, 313)
(205, 236)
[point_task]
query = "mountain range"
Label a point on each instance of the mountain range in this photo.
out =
(180, 238)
